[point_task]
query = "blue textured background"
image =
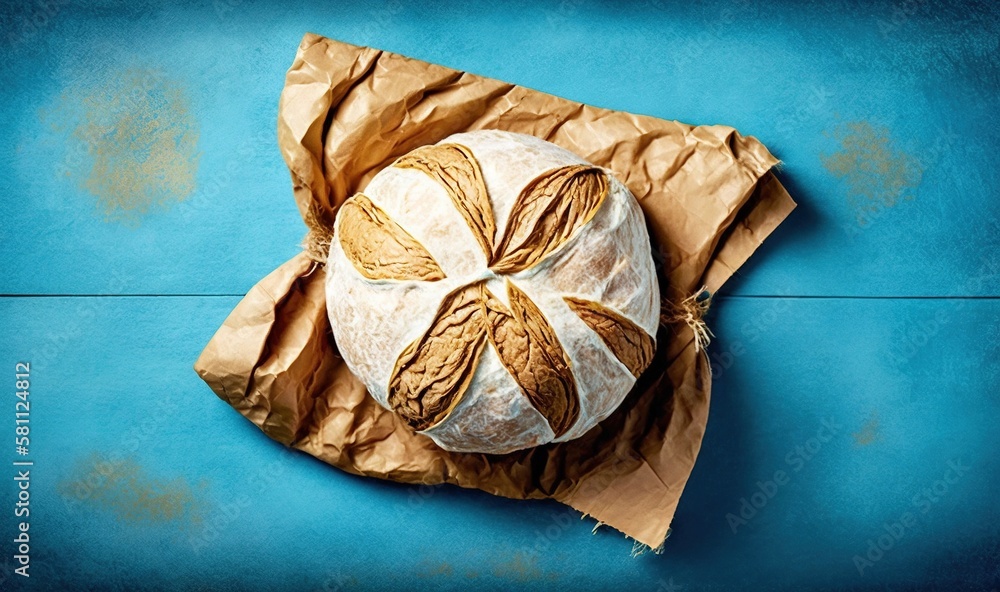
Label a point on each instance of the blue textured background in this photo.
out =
(143, 194)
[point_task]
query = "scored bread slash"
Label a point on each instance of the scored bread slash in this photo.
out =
(628, 341)
(530, 350)
(381, 249)
(549, 211)
(434, 371)
(455, 168)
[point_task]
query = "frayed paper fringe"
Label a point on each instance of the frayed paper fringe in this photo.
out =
(638, 549)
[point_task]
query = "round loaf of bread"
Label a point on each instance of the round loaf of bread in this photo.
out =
(495, 291)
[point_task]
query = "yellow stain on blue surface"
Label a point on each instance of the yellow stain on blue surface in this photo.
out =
(868, 432)
(124, 488)
(434, 570)
(522, 567)
(136, 142)
(878, 174)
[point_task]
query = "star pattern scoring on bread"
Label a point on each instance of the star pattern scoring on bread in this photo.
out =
(435, 370)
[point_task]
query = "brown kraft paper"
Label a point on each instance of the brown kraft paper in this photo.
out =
(709, 198)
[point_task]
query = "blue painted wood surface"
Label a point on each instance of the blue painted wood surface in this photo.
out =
(882, 113)
(142, 183)
(860, 422)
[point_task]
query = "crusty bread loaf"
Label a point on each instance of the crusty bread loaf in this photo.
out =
(495, 291)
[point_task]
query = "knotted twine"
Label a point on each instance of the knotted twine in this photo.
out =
(690, 311)
(316, 243)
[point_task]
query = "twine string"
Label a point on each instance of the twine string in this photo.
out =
(316, 243)
(690, 311)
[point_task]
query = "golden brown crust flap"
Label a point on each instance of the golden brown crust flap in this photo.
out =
(547, 213)
(456, 169)
(381, 249)
(626, 340)
(529, 348)
(433, 372)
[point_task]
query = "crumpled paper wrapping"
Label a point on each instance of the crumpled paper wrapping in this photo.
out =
(346, 112)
